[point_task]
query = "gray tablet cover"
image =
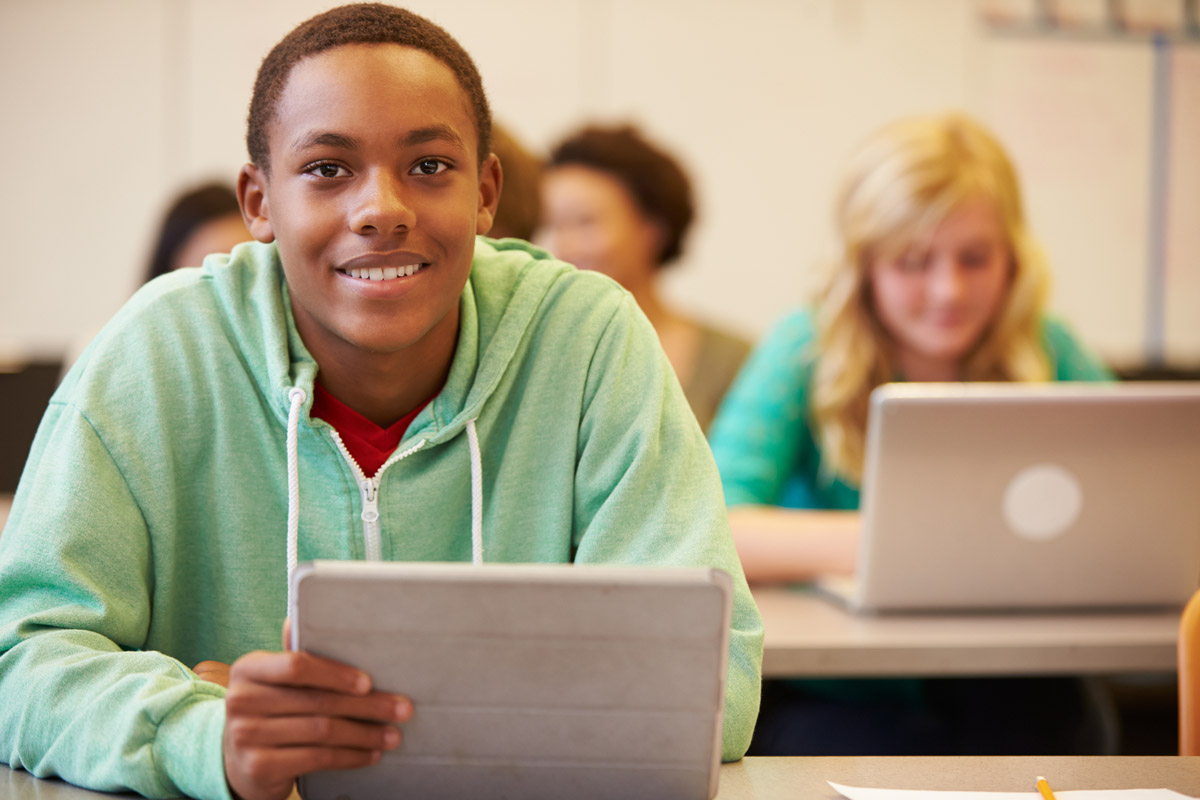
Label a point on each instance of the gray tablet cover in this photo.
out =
(529, 681)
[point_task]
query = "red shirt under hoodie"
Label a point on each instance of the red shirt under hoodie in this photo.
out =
(369, 444)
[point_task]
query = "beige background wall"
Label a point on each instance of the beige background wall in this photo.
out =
(111, 107)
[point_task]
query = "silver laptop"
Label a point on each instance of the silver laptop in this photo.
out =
(531, 681)
(1020, 496)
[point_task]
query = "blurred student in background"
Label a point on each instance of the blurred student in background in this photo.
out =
(937, 279)
(616, 203)
(202, 220)
(520, 199)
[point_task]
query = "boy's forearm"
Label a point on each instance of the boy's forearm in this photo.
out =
(74, 705)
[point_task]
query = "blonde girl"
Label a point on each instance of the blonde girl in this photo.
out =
(937, 279)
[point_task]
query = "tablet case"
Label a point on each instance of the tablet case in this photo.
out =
(528, 681)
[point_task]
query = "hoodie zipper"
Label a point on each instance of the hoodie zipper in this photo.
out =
(369, 490)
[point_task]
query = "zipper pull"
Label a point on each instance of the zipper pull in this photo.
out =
(370, 501)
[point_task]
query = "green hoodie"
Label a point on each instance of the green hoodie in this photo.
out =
(149, 531)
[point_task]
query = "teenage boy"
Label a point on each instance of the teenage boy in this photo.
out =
(369, 373)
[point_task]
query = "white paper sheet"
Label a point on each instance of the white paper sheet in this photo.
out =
(860, 793)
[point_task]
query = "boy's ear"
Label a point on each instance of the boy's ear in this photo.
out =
(252, 197)
(491, 180)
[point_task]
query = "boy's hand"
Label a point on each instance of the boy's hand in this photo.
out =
(215, 671)
(288, 714)
(218, 671)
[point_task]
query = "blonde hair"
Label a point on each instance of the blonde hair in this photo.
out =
(900, 184)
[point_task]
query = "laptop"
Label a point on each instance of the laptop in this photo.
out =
(530, 681)
(1028, 496)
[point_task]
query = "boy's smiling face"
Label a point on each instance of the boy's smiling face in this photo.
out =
(374, 197)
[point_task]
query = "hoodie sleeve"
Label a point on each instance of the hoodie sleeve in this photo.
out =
(79, 699)
(647, 492)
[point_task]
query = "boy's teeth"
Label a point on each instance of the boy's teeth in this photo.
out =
(384, 273)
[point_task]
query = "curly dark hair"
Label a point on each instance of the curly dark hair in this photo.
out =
(656, 180)
(361, 23)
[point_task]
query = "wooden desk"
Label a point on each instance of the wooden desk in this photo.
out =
(808, 635)
(774, 778)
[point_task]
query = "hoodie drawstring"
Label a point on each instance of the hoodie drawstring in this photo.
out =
(297, 396)
(476, 495)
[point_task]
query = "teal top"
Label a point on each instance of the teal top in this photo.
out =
(769, 454)
(763, 437)
(149, 529)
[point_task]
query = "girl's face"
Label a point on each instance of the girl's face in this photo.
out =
(937, 300)
(591, 220)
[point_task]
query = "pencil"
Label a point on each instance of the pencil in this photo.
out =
(1044, 789)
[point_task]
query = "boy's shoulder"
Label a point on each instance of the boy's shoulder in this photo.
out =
(510, 273)
(249, 277)
(179, 317)
(510, 260)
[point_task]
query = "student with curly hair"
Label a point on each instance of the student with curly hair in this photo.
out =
(616, 203)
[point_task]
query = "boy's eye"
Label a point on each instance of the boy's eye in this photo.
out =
(326, 170)
(430, 166)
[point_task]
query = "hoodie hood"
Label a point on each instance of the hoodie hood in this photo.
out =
(496, 309)
(497, 306)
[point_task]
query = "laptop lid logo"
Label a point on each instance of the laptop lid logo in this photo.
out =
(1042, 502)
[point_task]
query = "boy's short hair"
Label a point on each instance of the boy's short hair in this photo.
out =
(658, 183)
(360, 23)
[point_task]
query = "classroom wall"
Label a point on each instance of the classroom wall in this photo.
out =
(110, 108)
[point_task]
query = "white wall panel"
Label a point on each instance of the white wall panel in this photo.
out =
(111, 108)
(1182, 326)
(82, 87)
(764, 98)
(1076, 116)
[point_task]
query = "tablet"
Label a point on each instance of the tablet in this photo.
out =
(530, 681)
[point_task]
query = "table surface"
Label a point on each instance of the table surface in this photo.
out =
(773, 778)
(809, 635)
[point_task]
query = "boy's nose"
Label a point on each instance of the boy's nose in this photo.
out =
(381, 206)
